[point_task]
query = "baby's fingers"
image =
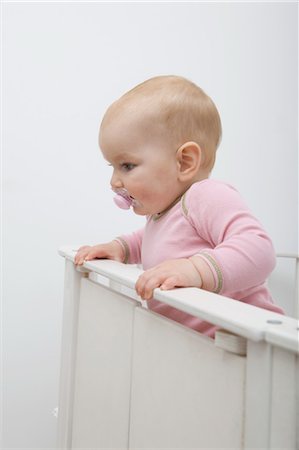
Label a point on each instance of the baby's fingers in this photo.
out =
(80, 257)
(84, 247)
(146, 284)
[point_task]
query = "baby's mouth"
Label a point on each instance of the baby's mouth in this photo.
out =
(123, 199)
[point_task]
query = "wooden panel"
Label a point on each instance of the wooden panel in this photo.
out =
(103, 369)
(186, 393)
(270, 398)
(283, 404)
(258, 395)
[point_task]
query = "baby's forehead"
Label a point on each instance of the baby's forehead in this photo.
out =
(130, 117)
(135, 107)
(131, 129)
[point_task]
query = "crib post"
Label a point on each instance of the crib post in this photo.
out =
(271, 395)
(297, 289)
(258, 393)
(73, 278)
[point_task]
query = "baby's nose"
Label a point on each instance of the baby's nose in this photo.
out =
(115, 181)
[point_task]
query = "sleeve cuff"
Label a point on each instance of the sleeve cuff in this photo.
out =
(215, 269)
(125, 247)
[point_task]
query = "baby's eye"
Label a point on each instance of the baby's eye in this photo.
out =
(128, 166)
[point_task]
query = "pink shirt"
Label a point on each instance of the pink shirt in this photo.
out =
(212, 221)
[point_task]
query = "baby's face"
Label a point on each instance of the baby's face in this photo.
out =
(143, 163)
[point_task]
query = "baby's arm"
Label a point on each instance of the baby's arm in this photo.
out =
(239, 255)
(183, 272)
(239, 252)
(126, 249)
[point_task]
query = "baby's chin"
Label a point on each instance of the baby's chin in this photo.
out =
(141, 210)
(137, 210)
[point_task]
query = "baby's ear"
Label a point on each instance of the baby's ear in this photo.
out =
(188, 160)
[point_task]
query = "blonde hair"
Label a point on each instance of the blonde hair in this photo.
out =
(185, 111)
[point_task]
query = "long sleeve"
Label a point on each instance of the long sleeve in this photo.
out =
(239, 252)
(131, 244)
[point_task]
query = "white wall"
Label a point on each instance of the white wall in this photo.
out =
(63, 64)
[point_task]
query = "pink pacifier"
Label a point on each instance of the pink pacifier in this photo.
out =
(122, 199)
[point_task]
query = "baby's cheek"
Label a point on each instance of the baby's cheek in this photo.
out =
(147, 193)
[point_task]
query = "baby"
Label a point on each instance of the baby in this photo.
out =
(160, 139)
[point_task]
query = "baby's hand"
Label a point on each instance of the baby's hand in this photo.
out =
(110, 250)
(168, 275)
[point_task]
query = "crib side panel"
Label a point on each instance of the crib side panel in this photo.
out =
(186, 393)
(103, 369)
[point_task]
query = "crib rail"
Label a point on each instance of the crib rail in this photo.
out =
(253, 366)
(244, 320)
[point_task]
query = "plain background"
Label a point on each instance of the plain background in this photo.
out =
(63, 64)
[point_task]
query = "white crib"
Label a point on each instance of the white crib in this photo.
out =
(132, 379)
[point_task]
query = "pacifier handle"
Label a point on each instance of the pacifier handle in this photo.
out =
(122, 202)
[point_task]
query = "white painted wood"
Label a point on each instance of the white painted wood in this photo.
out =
(236, 317)
(271, 398)
(186, 393)
(284, 337)
(231, 342)
(103, 369)
(258, 396)
(283, 400)
(68, 353)
(297, 288)
(114, 286)
(297, 402)
(282, 284)
(287, 255)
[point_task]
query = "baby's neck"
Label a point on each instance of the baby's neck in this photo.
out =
(177, 199)
(160, 214)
